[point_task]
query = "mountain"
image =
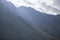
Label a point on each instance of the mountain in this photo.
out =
(25, 23)
(43, 21)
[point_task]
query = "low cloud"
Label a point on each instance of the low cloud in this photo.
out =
(51, 7)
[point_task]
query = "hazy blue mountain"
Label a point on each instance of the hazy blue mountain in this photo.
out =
(41, 20)
(25, 23)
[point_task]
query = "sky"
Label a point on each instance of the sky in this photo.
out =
(51, 7)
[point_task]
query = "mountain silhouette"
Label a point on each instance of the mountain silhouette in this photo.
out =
(25, 23)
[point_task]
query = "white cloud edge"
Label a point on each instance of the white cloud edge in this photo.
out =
(38, 5)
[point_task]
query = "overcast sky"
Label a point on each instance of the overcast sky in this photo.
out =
(47, 6)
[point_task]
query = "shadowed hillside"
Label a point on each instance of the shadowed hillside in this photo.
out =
(25, 23)
(43, 21)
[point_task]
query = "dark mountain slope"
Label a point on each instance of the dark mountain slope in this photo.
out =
(28, 25)
(42, 21)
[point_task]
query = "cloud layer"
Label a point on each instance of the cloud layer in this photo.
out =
(47, 6)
